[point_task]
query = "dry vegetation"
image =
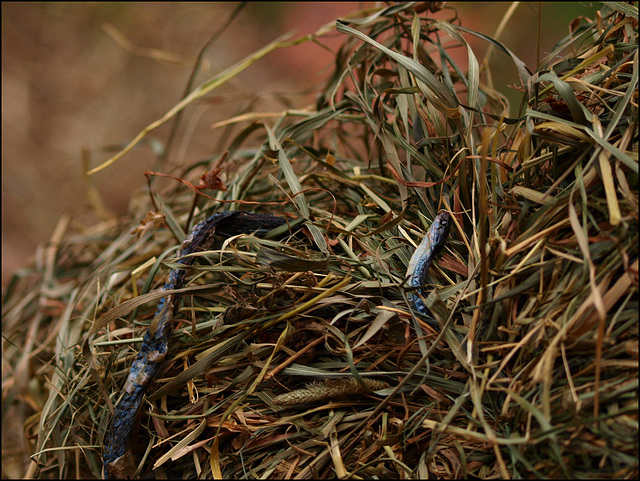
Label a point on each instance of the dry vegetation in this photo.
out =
(301, 358)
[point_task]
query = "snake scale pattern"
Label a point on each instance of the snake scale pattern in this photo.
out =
(423, 255)
(155, 343)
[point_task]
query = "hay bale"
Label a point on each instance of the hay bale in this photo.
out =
(533, 371)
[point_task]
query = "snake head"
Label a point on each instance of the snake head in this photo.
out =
(440, 229)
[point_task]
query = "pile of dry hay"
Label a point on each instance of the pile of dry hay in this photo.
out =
(534, 370)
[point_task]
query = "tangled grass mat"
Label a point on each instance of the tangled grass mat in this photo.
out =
(300, 357)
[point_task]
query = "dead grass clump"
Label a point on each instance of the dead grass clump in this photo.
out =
(300, 357)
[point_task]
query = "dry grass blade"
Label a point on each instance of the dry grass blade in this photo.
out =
(444, 100)
(198, 92)
(298, 356)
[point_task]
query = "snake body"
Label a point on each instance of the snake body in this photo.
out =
(155, 343)
(423, 255)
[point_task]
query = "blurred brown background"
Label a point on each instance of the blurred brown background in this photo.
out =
(69, 85)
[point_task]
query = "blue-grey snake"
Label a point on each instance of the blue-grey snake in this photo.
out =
(155, 343)
(423, 255)
(156, 339)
